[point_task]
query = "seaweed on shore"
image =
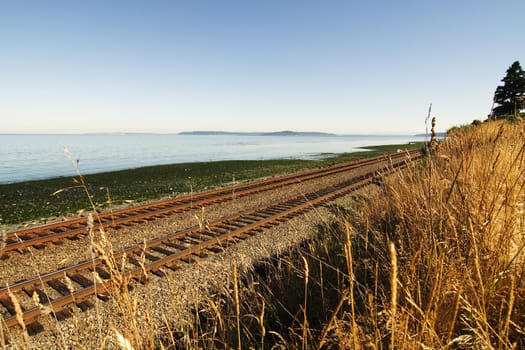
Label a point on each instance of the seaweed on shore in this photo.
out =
(34, 202)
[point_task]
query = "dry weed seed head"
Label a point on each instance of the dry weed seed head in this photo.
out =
(90, 222)
(142, 261)
(3, 242)
(36, 299)
(45, 310)
(18, 310)
(69, 284)
(122, 341)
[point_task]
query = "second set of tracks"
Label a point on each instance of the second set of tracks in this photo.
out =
(76, 284)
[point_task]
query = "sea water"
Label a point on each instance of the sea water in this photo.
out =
(34, 157)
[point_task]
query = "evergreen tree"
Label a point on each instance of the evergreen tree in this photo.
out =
(510, 97)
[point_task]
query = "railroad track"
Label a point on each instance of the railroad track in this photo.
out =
(59, 290)
(39, 236)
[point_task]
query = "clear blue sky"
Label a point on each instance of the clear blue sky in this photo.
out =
(266, 65)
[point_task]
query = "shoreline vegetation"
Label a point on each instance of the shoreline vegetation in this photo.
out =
(36, 202)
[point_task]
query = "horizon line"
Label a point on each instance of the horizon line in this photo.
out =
(213, 131)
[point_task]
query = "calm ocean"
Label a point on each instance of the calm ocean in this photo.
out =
(34, 157)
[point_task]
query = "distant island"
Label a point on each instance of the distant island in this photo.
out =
(275, 133)
(440, 135)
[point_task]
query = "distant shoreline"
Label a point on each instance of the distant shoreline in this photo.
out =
(275, 133)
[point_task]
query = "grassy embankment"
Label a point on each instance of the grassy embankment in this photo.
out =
(434, 258)
(33, 201)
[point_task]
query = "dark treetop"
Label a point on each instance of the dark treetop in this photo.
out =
(510, 97)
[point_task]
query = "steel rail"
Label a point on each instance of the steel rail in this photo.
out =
(167, 250)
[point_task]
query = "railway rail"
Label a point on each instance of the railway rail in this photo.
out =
(39, 236)
(58, 291)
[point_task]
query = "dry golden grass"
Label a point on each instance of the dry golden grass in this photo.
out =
(457, 223)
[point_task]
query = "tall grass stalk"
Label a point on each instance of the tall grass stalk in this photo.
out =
(393, 293)
(237, 305)
(305, 306)
(349, 266)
